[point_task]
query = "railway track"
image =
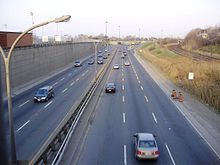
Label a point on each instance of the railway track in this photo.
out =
(196, 56)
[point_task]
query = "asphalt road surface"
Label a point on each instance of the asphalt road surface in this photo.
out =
(139, 105)
(34, 122)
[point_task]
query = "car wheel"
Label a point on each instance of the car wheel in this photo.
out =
(46, 99)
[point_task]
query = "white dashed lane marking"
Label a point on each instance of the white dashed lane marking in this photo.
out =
(62, 79)
(72, 83)
(123, 117)
(123, 87)
(77, 79)
(123, 98)
(23, 125)
(146, 98)
(171, 157)
(64, 90)
(23, 103)
(155, 119)
(55, 83)
(142, 88)
(48, 104)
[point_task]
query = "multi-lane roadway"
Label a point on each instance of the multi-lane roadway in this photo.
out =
(139, 105)
(34, 122)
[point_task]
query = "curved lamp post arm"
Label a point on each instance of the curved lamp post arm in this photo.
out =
(2, 52)
(56, 20)
(8, 86)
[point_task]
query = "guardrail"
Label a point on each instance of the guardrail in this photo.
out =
(54, 146)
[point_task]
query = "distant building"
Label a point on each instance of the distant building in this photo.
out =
(7, 39)
(204, 34)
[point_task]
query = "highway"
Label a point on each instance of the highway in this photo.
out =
(34, 122)
(139, 105)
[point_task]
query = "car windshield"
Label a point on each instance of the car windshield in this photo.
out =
(77, 62)
(41, 91)
(147, 144)
(110, 85)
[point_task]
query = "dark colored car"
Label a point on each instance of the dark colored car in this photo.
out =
(110, 88)
(105, 57)
(44, 94)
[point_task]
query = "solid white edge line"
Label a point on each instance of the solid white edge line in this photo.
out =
(23, 103)
(146, 98)
(197, 131)
(125, 155)
(171, 157)
(64, 90)
(123, 98)
(23, 125)
(48, 104)
(123, 117)
(155, 119)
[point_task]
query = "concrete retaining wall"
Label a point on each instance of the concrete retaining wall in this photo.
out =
(30, 63)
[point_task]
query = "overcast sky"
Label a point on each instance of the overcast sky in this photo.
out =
(153, 17)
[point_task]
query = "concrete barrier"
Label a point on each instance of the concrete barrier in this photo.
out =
(31, 63)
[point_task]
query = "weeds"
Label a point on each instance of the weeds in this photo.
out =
(206, 83)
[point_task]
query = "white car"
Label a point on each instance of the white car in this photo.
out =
(127, 63)
(116, 66)
(145, 146)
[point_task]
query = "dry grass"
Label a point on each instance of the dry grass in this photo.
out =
(206, 83)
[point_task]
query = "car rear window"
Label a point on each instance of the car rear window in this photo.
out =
(147, 144)
(41, 91)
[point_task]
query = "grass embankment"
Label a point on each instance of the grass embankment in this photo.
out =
(206, 83)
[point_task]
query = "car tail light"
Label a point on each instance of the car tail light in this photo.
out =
(155, 152)
(139, 152)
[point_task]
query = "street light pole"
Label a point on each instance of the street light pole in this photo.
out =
(6, 60)
(106, 29)
(32, 22)
(119, 32)
(96, 44)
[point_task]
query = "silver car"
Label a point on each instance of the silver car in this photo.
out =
(145, 146)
